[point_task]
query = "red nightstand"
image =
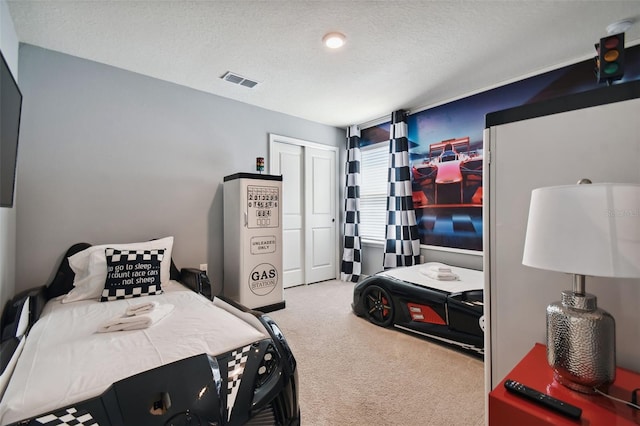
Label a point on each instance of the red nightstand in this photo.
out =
(508, 409)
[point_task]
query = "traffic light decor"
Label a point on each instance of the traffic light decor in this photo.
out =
(610, 59)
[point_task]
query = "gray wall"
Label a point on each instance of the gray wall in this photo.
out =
(107, 155)
(9, 48)
(373, 256)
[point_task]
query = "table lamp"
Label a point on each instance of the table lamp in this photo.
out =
(584, 229)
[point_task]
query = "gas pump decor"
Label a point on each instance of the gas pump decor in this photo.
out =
(253, 239)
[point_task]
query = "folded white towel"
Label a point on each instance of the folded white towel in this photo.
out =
(441, 276)
(440, 272)
(439, 268)
(136, 322)
(142, 308)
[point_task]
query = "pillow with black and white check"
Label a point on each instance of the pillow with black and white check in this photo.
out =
(132, 273)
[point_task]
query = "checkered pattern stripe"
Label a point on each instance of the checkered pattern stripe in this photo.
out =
(113, 290)
(351, 261)
(235, 369)
(402, 246)
(70, 417)
(118, 256)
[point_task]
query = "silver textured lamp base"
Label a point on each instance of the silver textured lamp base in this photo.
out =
(581, 343)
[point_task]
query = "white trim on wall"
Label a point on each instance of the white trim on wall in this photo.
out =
(300, 142)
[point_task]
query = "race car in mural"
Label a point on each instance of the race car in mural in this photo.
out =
(447, 311)
(451, 174)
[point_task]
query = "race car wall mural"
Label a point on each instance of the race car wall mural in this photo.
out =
(446, 149)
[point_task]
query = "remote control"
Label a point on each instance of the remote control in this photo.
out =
(543, 399)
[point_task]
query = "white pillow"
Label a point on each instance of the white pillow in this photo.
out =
(90, 267)
(89, 287)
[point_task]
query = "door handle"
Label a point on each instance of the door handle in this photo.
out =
(333, 220)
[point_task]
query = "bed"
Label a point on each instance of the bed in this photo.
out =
(433, 300)
(198, 361)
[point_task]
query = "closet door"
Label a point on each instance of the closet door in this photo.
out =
(288, 160)
(320, 208)
(309, 203)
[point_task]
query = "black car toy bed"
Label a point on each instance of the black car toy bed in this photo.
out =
(433, 300)
(87, 350)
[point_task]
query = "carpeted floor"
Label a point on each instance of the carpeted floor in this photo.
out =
(355, 373)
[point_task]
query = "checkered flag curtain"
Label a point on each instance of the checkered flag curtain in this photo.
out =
(351, 261)
(402, 246)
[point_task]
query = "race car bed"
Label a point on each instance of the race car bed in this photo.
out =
(446, 305)
(184, 360)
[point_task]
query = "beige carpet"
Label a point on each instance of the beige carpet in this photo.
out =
(355, 373)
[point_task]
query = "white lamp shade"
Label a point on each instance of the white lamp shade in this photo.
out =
(588, 229)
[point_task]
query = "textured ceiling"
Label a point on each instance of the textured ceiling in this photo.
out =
(399, 54)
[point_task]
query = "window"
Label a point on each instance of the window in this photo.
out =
(374, 169)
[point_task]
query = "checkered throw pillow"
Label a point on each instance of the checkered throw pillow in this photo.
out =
(132, 273)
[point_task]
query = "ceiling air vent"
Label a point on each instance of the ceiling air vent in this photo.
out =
(234, 78)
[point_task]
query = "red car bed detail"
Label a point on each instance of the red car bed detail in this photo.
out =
(424, 313)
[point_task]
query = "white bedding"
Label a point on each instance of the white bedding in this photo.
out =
(65, 360)
(470, 279)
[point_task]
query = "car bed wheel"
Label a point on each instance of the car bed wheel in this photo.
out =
(378, 306)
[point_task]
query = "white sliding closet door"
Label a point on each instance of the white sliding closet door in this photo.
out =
(288, 160)
(320, 207)
(309, 202)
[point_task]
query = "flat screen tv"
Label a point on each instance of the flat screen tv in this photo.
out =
(10, 110)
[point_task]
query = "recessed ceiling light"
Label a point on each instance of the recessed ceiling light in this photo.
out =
(334, 40)
(619, 26)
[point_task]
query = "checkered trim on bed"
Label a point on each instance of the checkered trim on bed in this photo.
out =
(235, 369)
(402, 247)
(351, 255)
(125, 283)
(70, 417)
